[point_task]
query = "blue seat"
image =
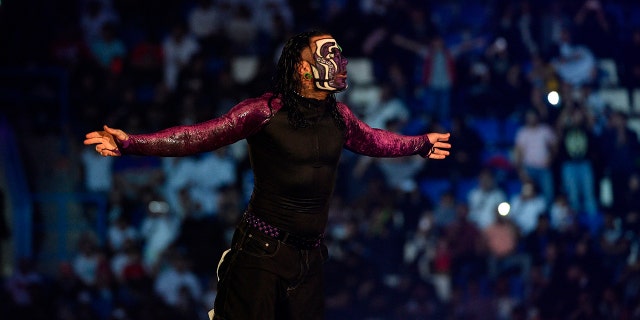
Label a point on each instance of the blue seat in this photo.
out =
(463, 187)
(512, 187)
(509, 130)
(434, 188)
(489, 129)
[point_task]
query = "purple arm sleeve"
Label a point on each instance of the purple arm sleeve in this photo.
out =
(241, 121)
(363, 139)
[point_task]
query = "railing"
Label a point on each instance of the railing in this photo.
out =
(17, 192)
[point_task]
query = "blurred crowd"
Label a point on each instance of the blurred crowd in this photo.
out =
(534, 216)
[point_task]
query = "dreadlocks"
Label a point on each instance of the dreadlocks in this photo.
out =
(286, 82)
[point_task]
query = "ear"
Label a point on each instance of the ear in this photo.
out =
(303, 67)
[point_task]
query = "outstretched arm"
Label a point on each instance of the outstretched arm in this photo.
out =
(240, 122)
(363, 139)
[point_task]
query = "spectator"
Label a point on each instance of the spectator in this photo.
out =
(553, 21)
(518, 24)
(88, 262)
(535, 243)
(177, 282)
(269, 13)
(159, 228)
(213, 171)
(444, 213)
(613, 245)
(542, 79)
(146, 62)
(201, 239)
(563, 218)
(470, 147)
(389, 108)
(97, 172)
(120, 232)
(94, 17)
(575, 64)
(241, 31)
(438, 76)
(501, 238)
(630, 66)
(535, 148)
(467, 246)
(109, 50)
(526, 207)
(619, 164)
(631, 218)
(484, 199)
(178, 48)
(204, 21)
(24, 287)
(595, 29)
(438, 73)
(577, 152)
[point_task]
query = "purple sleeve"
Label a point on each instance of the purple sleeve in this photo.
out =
(363, 139)
(241, 121)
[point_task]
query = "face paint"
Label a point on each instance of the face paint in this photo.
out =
(330, 69)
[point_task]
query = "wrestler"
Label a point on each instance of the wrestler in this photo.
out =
(296, 134)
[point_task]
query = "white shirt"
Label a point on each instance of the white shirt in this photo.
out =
(483, 205)
(170, 281)
(534, 143)
(203, 22)
(98, 171)
(525, 212)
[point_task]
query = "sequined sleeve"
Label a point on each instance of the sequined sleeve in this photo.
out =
(240, 122)
(363, 139)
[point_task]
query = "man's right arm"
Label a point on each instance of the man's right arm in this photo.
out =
(241, 121)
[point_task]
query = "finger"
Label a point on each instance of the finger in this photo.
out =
(442, 145)
(93, 140)
(119, 134)
(439, 152)
(94, 134)
(109, 153)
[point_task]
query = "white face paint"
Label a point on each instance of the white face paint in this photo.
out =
(330, 69)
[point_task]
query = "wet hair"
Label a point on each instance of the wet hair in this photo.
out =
(286, 81)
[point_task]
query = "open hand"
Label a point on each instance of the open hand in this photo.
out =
(105, 141)
(440, 147)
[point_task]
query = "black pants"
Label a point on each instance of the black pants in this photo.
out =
(263, 278)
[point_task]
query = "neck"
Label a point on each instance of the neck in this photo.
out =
(312, 93)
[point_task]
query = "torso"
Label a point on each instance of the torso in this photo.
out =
(295, 170)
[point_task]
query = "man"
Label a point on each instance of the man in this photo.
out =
(296, 135)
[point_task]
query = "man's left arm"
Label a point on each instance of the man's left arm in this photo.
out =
(362, 139)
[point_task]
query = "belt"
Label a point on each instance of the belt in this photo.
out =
(274, 232)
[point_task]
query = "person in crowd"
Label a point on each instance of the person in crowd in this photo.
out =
(535, 148)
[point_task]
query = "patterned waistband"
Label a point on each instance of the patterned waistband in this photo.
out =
(279, 234)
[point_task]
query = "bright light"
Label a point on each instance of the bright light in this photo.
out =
(503, 209)
(553, 97)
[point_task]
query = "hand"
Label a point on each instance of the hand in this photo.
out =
(439, 141)
(105, 141)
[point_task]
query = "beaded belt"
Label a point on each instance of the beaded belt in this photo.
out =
(279, 234)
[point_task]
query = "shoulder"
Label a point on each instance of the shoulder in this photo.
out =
(266, 104)
(344, 110)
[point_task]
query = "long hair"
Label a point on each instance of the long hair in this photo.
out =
(286, 81)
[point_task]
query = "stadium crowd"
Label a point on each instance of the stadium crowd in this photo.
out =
(408, 238)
